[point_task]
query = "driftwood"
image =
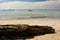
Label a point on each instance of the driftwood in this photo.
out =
(24, 30)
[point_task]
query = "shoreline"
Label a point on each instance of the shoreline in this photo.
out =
(27, 18)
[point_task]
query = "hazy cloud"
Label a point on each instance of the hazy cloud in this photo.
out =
(48, 4)
(23, 0)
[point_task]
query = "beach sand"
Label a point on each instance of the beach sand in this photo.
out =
(55, 23)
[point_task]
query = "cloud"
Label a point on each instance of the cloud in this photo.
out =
(27, 0)
(30, 5)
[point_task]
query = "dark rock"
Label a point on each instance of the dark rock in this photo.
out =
(23, 30)
(37, 30)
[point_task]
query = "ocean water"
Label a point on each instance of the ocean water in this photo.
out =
(8, 14)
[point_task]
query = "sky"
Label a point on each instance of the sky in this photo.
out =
(30, 4)
(24, 0)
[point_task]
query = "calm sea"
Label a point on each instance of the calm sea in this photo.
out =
(7, 14)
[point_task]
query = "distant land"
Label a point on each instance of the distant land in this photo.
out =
(30, 9)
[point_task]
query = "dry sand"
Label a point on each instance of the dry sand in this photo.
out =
(55, 23)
